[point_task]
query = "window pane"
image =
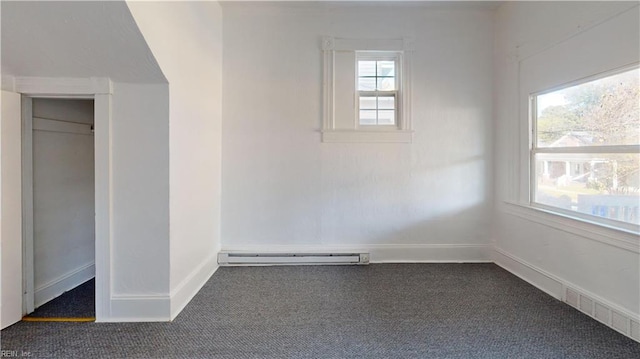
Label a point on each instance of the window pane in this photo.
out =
(597, 113)
(367, 103)
(604, 185)
(386, 102)
(367, 117)
(366, 68)
(366, 84)
(386, 68)
(386, 83)
(386, 117)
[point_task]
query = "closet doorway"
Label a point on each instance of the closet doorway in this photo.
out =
(59, 207)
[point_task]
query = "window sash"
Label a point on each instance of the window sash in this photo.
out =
(597, 220)
(589, 149)
(336, 127)
(535, 150)
(379, 56)
(377, 94)
(534, 188)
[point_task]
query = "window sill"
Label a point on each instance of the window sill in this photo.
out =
(612, 236)
(370, 136)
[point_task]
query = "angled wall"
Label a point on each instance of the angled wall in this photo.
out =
(56, 41)
(186, 40)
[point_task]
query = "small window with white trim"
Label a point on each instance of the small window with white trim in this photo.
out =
(378, 81)
(367, 90)
(585, 153)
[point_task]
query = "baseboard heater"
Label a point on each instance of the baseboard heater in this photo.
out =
(273, 259)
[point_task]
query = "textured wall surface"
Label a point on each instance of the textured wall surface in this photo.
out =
(140, 175)
(100, 39)
(283, 187)
(186, 40)
(555, 51)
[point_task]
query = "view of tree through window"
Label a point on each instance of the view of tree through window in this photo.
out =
(586, 147)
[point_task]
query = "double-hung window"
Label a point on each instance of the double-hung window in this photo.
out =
(377, 84)
(367, 90)
(585, 153)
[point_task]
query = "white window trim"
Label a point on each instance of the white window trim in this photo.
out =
(591, 227)
(534, 150)
(543, 66)
(400, 133)
(598, 232)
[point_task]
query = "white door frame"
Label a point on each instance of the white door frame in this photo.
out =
(101, 91)
(11, 211)
(28, 265)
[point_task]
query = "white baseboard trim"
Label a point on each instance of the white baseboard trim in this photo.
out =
(139, 308)
(533, 275)
(63, 283)
(390, 253)
(598, 308)
(191, 285)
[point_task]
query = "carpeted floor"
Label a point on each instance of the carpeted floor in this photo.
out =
(76, 303)
(375, 311)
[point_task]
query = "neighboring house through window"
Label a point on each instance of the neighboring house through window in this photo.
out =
(585, 153)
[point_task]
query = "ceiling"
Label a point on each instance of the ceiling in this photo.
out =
(75, 39)
(101, 38)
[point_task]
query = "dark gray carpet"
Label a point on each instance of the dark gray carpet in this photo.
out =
(376, 311)
(76, 303)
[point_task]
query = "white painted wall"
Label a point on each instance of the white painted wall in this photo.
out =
(71, 110)
(140, 175)
(10, 210)
(285, 190)
(557, 42)
(135, 131)
(63, 200)
(186, 40)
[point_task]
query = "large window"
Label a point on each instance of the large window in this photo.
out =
(585, 154)
(377, 79)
